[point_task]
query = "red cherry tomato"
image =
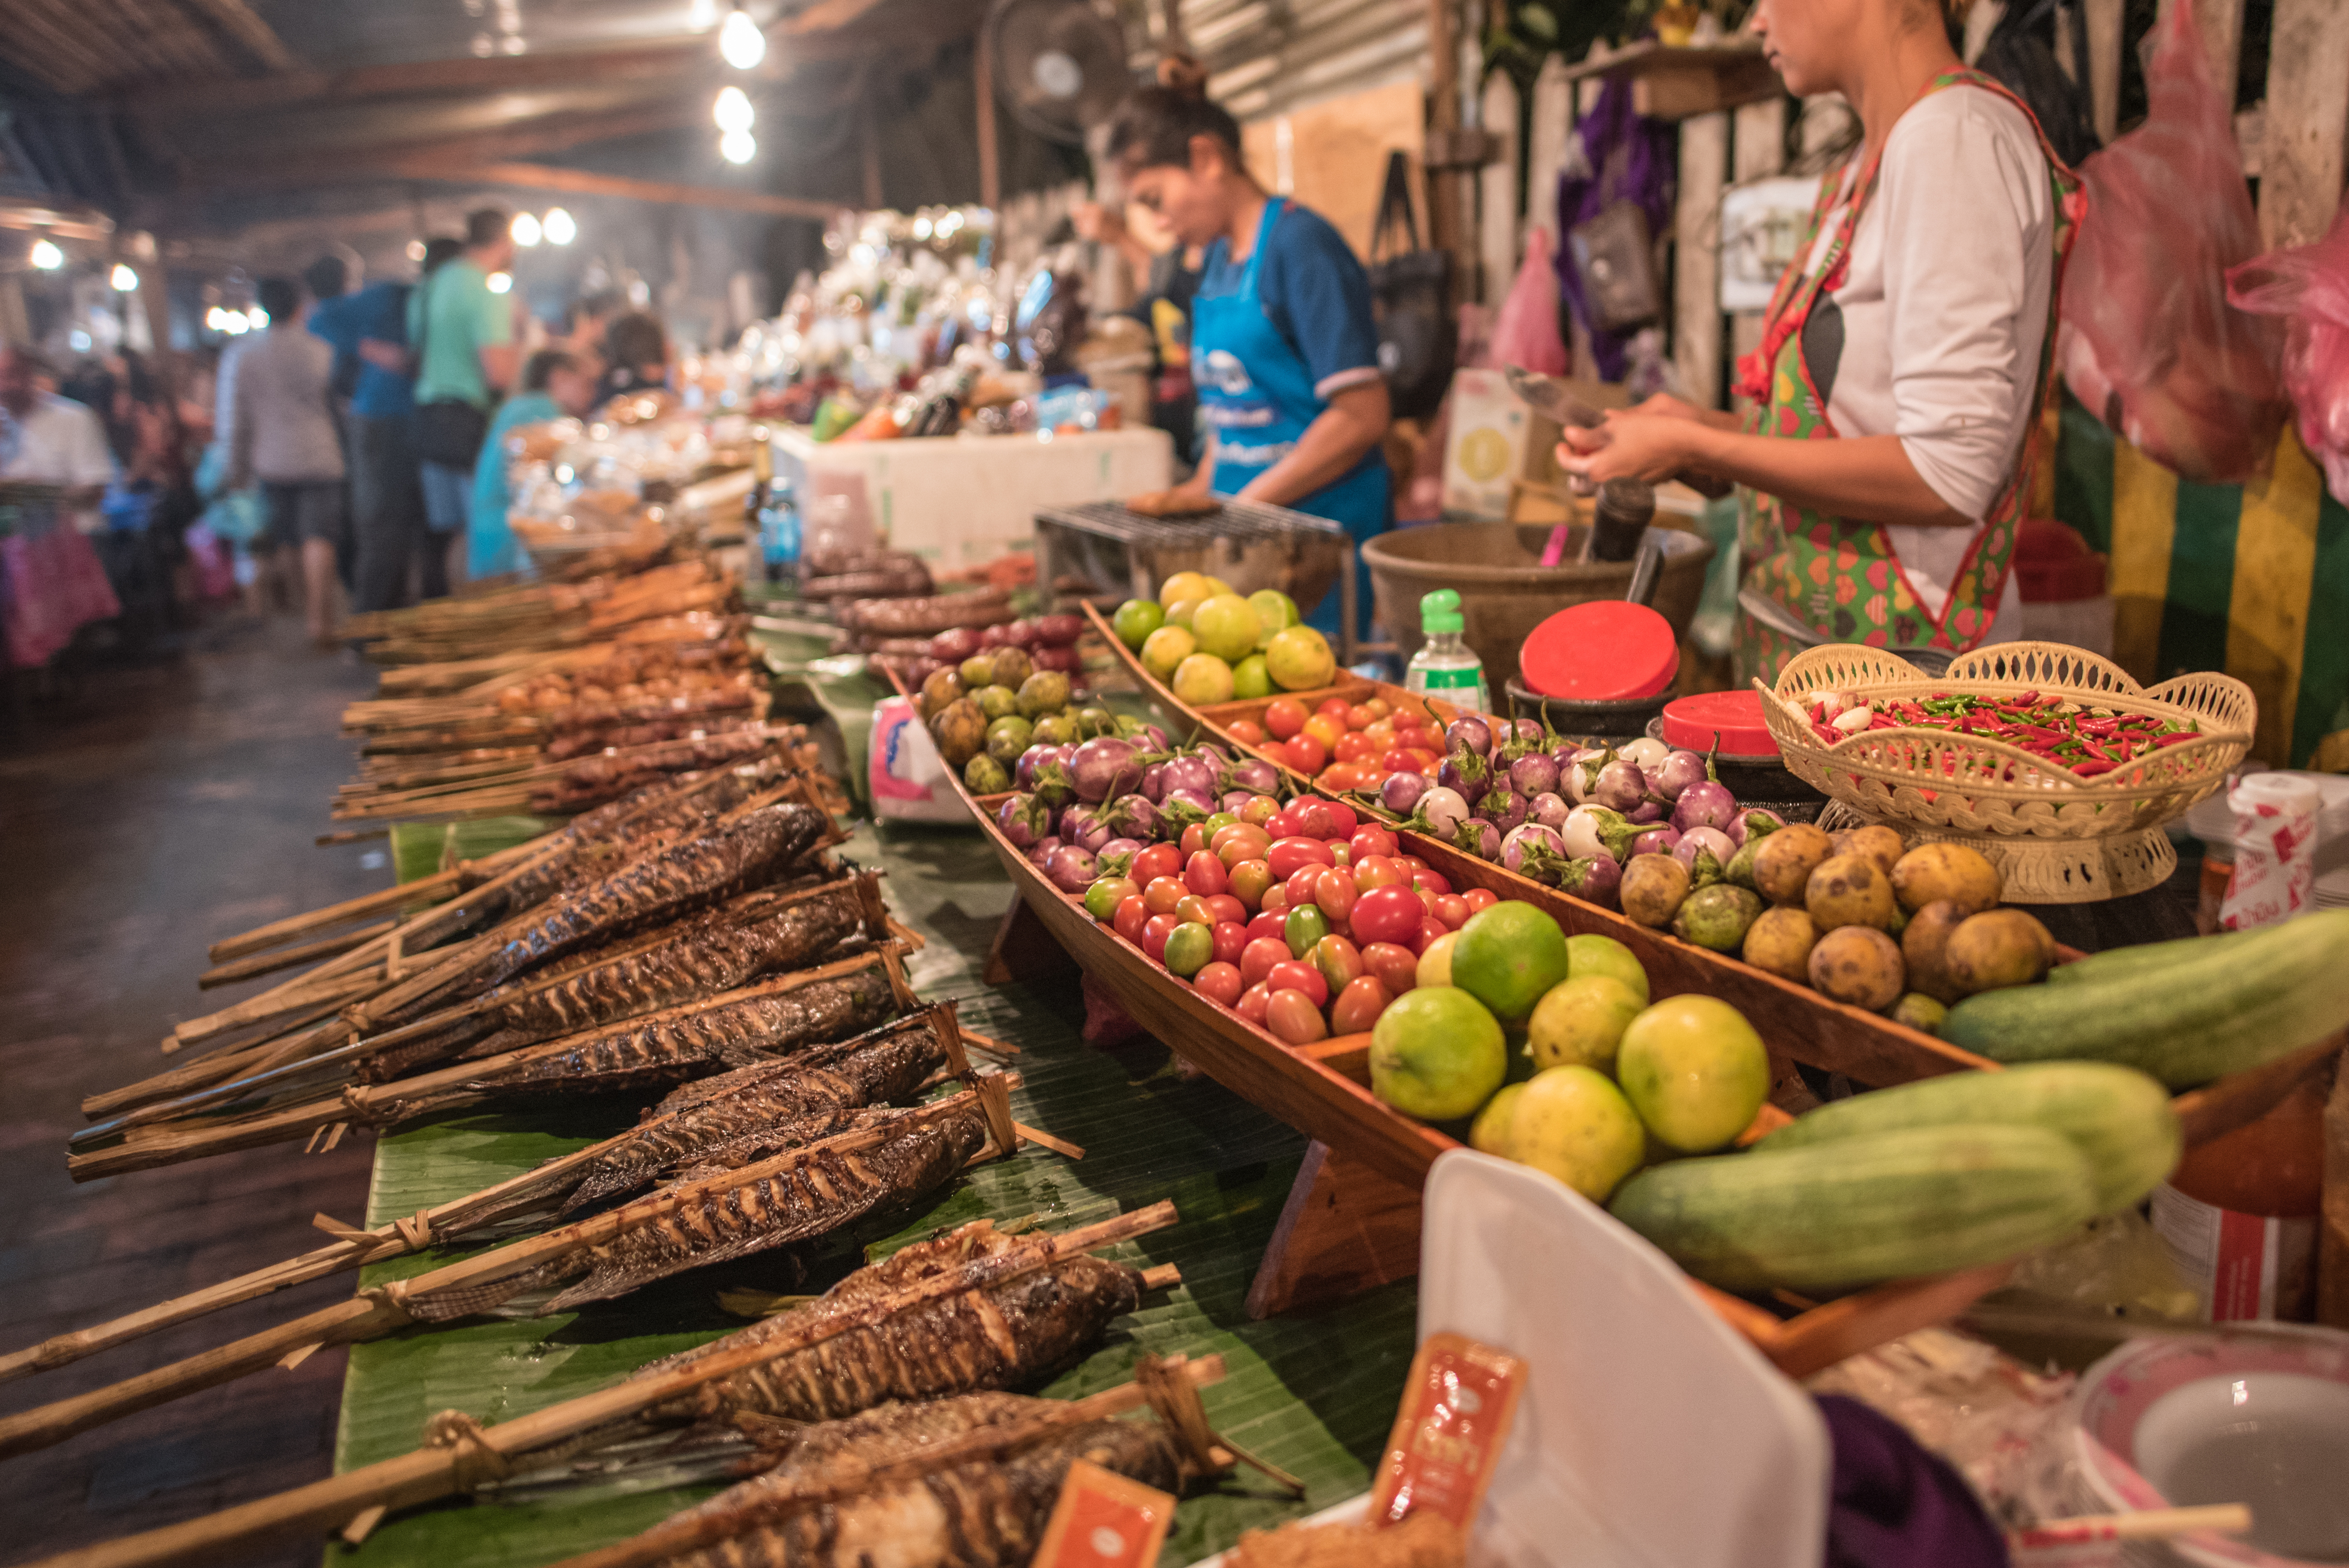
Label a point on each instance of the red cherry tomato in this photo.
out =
(1239, 842)
(1252, 1003)
(1452, 910)
(1131, 915)
(1231, 941)
(1381, 730)
(1192, 910)
(1421, 760)
(1259, 955)
(1219, 982)
(1480, 900)
(1386, 914)
(1283, 717)
(1354, 747)
(1375, 871)
(1341, 852)
(1427, 897)
(1342, 820)
(1155, 933)
(1433, 882)
(1299, 888)
(1336, 896)
(1333, 708)
(1430, 929)
(1395, 964)
(1273, 902)
(1267, 927)
(1313, 818)
(1400, 760)
(1299, 975)
(1281, 824)
(1246, 733)
(1342, 776)
(1226, 909)
(1339, 961)
(1358, 1006)
(1203, 874)
(1307, 756)
(1193, 839)
(1409, 864)
(1371, 839)
(1287, 854)
(1249, 880)
(1360, 717)
(1153, 861)
(1259, 812)
(1294, 1018)
(1162, 893)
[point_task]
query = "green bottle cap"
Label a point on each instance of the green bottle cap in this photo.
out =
(1440, 612)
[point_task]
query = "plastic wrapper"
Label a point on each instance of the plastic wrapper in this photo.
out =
(906, 776)
(2275, 849)
(2147, 340)
(2309, 287)
(1526, 334)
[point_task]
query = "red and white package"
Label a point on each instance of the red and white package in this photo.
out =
(2275, 849)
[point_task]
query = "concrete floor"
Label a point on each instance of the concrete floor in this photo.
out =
(144, 812)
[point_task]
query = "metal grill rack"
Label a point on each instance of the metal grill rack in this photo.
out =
(1105, 551)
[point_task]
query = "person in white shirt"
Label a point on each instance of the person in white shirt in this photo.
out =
(1884, 461)
(54, 582)
(283, 434)
(49, 440)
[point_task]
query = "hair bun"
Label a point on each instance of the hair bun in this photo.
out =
(1183, 74)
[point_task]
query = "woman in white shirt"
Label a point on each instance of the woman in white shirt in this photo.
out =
(1885, 460)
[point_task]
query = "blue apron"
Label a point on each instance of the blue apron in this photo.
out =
(1255, 393)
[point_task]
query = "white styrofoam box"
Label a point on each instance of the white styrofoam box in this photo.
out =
(964, 501)
(1650, 1435)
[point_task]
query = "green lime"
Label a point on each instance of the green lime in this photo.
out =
(1251, 678)
(1591, 954)
(1134, 621)
(1189, 947)
(1276, 612)
(1436, 1053)
(1302, 929)
(1508, 957)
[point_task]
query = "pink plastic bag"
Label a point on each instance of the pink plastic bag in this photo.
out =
(2147, 340)
(2310, 286)
(1526, 333)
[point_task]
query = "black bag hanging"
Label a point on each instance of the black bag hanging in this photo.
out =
(2019, 58)
(1410, 295)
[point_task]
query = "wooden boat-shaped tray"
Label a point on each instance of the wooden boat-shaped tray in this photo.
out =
(1795, 1020)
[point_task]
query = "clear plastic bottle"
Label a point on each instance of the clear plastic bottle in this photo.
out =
(1443, 666)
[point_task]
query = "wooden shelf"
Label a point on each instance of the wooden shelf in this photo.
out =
(1671, 82)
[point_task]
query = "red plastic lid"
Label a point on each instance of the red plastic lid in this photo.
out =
(1692, 722)
(1602, 650)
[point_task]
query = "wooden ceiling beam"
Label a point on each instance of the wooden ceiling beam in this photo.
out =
(62, 55)
(553, 133)
(580, 181)
(241, 22)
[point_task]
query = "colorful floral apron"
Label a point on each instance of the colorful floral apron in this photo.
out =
(1838, 578)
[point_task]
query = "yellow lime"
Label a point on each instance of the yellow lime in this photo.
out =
(1299, 660)
(1227, 626)
(1185, 586)
(1202, 680)
(1694, 1070)
(1164, 648)
(1489, 1133)
(1574, 1124)
(1582, 1021)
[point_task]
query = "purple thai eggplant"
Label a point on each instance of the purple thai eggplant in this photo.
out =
(1104, 767)
(1478, 837)
(1072, 869)
(1024, 819)
(1183, 808)
(1670, 777)
(1550, 810)
(1252, 775)
(1533, 774)
(1401, 793)
(1595, 830)
(1504, 808)
(1704, 805)
(1469, 735)
(1132, 816)
(1440, 811)
(1534, 851)
(1656, 841)
(1750, 823)
(1580, 773)
(1042, 850)
(1466, 773)
(1214, 755)
(1594, 879)
(1083, 826)
(1646, 812)
(1620, 786)
(1116, 857)
(1153, 788)
(1193, 774)
(1704, 851)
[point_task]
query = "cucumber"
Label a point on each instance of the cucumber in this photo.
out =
(2116, 1115)
(2186, 1023)
(1860, 1210)
(2149, 958)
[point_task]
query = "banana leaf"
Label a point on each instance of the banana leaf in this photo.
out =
(1312, 1396)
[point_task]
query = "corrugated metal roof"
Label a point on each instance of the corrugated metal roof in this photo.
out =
(1269, 56)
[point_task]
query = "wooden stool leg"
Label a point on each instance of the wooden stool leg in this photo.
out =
(1345, 1230)
(1024, 952)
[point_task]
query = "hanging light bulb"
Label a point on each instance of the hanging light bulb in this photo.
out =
(123, 279)
(501, 282)
(560, 229)
(737, 147)
(741, 41)
(702, 15)
(732, 111)
(416, 250)
(256, 318)
(47, 256)
(524, 229)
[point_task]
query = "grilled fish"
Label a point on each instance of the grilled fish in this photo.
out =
(744, 1116)
(647, 818)
(698, 869)
(813, 1197)
(1011, 1333)
(682, 1043)
(985, 1515)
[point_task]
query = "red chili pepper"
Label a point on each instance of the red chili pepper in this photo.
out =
(2175, 737)
(1885, 721)
(2099, 753)
(2098, 726)
(2090, 770)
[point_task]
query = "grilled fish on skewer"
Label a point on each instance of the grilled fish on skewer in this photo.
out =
(813, 1197)
(679, 1044)
(1008, 1334)
(742, 1116)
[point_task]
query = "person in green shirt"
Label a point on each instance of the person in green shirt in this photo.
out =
(555, 385)
(463, 336)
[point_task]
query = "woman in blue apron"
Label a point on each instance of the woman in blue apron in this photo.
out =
(1284, 353)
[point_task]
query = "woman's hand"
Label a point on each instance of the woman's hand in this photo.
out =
(1653, 444)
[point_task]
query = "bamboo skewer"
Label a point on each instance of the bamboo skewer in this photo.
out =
(2145, 1524)
(382, 1310)
(696, 1528)
(461, 1453)
(286, 957)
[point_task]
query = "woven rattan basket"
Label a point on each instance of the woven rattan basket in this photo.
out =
(2056, 838)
